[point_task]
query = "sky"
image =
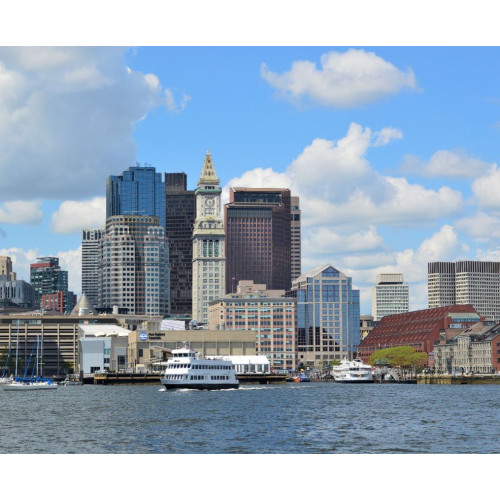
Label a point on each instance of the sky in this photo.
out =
(392, 150)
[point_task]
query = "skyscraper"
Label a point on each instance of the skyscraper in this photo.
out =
(6, 268)
(134, 265)
(296, 257)
(208, 243)
(466, 282)
(138, 191)
(389, 296)
(328, 325)
(91, 264)
(258, 231)
(179, 222)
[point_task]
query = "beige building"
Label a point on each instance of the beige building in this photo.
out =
(267, 313)
(147, 348)
(6, 268)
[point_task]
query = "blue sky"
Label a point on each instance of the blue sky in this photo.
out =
(393, 150)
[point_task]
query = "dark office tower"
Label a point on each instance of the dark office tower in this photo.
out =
(179, 220)
(91, 263)
(296, 239)
(258, 235)
(134, 265)
(138, 191)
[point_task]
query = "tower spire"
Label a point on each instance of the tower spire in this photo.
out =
(208, 175)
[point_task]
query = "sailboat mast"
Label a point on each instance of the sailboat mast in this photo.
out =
(17, 345)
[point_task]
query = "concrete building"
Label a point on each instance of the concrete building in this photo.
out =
(134, 272)
(91, 257)
(157, 344)
(268, 313)
(328, 317)
(366, 325)
(137, 191)
(14, 293)
(466, 282)
(179, 222)
(475, 349)
(258, 231)
(6, 268)
(209, 254)
(390, 295)
(296, 237)
(418, 329)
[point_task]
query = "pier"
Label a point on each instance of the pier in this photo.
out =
(458, 379)
(127, 378)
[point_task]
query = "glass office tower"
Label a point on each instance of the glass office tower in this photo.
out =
(138, 191)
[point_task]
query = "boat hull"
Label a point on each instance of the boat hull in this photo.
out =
(201, 387)
(28, 387)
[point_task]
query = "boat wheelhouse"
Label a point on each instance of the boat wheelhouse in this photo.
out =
(185, 370)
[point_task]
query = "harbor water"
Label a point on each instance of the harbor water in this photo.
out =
(289, 418)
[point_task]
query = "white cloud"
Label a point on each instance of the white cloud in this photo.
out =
(67, 117)
(447, 164)
(480, 226)
(347, 79)
(387, 135)
(172, 104)
(73, 216)
(71, 261)
(486, 189)
(21, 212)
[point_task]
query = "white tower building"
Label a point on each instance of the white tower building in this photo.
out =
(389, 296)
(209, 256)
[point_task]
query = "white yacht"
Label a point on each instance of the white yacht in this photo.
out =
(185, 370)
(31, 385)
(354, 371)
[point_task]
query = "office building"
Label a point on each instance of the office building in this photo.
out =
(209, 261)
(417, 329)
(258, 231)
(328, 316)
(466, 282)
(134, 265)
(6, 268)
(47, 278)
(390, 295)
(296, 238)
(179, 223)
(137, 191)
(268, 313)
(91, 264)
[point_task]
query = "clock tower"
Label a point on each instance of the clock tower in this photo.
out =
(209, 257)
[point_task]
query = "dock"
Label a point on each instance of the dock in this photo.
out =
(458, 379)
(127, 378)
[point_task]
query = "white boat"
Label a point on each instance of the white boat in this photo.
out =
(354, 371)
(6, 380)
(185, 370)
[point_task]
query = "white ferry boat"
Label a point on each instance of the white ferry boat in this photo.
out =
(354, 371)
(185, 370)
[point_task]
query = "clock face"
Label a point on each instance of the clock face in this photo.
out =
(210, 202)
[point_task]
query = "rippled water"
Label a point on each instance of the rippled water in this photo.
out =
(291, 418)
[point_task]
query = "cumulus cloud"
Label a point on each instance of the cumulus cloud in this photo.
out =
(444, 163)
(486, 189)
(67, 117)
(21, 212)
(174, 105)
(72, 216)
(480, 226)
(349, 79)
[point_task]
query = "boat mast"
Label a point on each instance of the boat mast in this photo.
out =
(17, 346)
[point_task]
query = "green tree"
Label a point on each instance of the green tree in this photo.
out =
(399, 357)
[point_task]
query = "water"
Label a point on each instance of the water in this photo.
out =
(292, 418)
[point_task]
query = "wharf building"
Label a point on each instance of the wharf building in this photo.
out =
(390, 295)
(268, 313)
(475, 349)
(466, 282)
(51, 285)
(91, 256)
(134, 270)
(417, 329)
(137, 191)
(258, 231)
(328, 316)
(179, 223)
(209, 254)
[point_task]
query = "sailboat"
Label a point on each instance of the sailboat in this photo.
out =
(3, 378)
(33, 382)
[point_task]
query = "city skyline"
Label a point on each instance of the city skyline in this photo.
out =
(395, 165)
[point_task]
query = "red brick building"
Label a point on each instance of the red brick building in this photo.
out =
(418, 329)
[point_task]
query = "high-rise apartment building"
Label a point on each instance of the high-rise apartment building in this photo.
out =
(134, 265)
(209, 261)
(269, 313)
(258, 232)
(137, 191)
(466, 282)
(91, 256)
(328, 316)
(296, 251)
(390, 295)
(179, 222)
